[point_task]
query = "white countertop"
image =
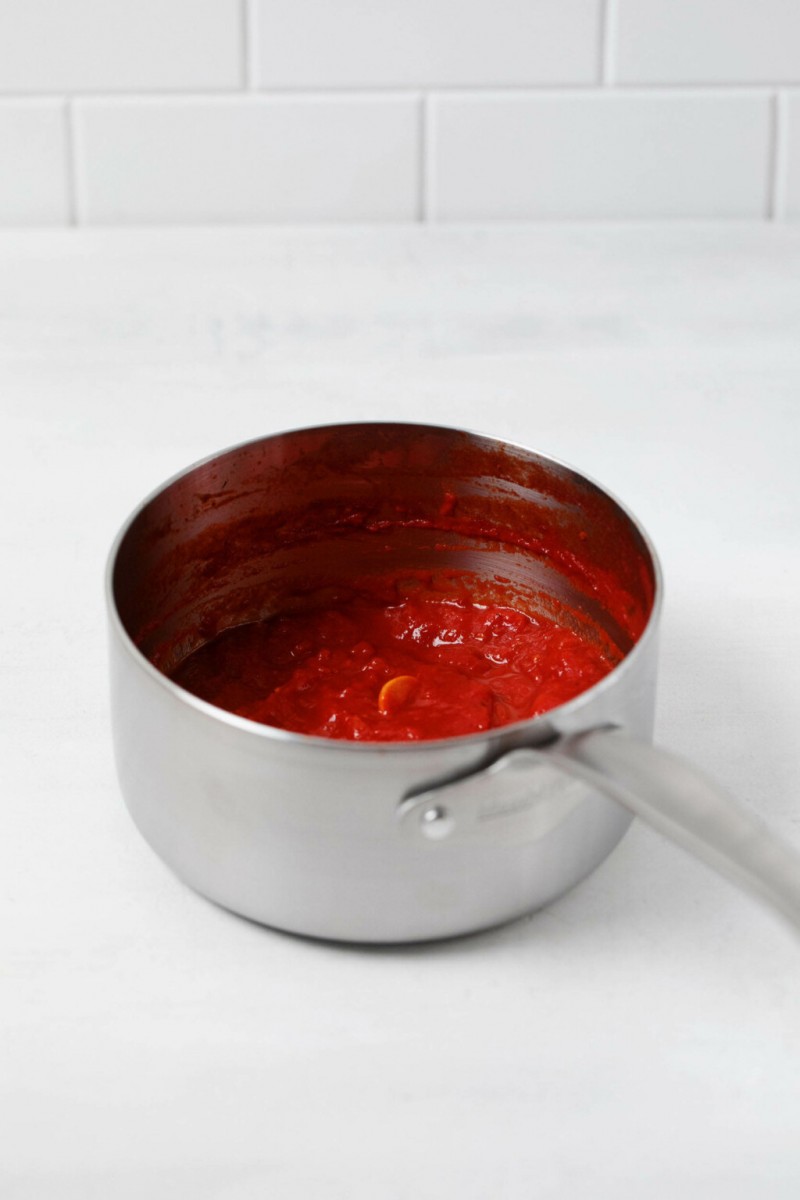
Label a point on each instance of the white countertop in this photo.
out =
(639, 1038)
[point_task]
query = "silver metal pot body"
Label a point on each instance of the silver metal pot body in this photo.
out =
(338, 839)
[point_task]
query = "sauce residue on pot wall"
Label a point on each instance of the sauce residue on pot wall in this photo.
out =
(423, 665)
(274, 549)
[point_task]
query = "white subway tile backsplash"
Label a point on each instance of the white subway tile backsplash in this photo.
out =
(790, 201)
(372, 43)
(708, 41)
(33, 163)
(249, 159)
(96, 45)
(609, 155)
(187, 111)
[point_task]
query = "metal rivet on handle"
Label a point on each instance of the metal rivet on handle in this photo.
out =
(436, 822)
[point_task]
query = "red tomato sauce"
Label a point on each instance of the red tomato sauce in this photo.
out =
(415, 668)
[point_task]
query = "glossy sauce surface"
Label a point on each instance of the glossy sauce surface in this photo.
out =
(419, 667)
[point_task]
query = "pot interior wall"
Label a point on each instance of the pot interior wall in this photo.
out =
(289, 520)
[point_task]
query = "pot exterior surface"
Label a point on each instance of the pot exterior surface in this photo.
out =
(307, 838)
(316, 836)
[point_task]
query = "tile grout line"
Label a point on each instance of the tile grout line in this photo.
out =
(776, 186)
(459, 91)
(608, 40)
(70, 169)
(249, 20)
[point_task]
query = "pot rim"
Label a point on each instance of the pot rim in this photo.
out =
(543, 723)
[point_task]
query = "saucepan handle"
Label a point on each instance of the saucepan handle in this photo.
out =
(681, 803)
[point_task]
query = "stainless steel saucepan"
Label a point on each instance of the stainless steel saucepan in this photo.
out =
(387, 841)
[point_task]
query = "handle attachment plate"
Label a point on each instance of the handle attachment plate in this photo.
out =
(519, 798)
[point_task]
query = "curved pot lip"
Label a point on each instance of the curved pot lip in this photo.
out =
(537, 728)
